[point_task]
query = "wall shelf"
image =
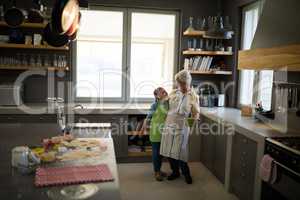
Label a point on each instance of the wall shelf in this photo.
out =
(30, 46)
(140, 154)
(132, 133)
(196, 33)
(217, 72)
(207, 53)
(27, 25)
(193, 33)
(34, 68)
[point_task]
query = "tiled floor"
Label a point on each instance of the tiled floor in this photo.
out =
(137, 183)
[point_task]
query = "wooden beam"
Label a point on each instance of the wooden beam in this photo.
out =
(283, 58)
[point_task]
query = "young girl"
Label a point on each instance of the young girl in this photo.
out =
(156, 117)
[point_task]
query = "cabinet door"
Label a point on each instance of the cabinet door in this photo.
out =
(220, 157)
(120, 138)
(207, 146)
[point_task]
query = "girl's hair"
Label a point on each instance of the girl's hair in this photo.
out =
(156, 91)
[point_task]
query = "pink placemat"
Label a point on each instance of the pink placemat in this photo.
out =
(56, 176)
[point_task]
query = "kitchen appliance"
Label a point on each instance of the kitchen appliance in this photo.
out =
(24, 159)
(11, 95)
(286, 154)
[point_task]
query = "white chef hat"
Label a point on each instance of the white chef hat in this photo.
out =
(184, 76)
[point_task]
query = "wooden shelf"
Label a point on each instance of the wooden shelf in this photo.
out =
(27, 25)
(34, 68)
(207, 53)
(217, 72)
(136, 133)
(281, 58)
(30, 46)
(196, 33)
(140, 154)
(193, 33)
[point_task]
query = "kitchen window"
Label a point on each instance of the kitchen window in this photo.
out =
(254, 86)
(123, 54)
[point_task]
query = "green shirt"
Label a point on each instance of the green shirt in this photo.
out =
(158, 121)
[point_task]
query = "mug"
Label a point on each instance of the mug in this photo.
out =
(37, 39)
(229, 48)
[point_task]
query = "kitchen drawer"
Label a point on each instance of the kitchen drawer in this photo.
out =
(243, 167)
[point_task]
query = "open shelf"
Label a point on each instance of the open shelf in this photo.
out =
(136, 133)
(193, 33)
(196, 33)
(207, 53)
(34, 68)
(218, 72)
(30, 46)
(27, 25)
(140, 154)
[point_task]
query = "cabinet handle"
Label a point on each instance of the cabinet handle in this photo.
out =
(243, 175)
(41, 118)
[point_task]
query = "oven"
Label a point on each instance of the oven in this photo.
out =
(287, 184)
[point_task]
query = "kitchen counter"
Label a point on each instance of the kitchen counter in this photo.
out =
(104, 108)
(247, 126)
(15, 186)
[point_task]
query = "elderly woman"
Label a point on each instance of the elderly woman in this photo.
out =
(183, 104)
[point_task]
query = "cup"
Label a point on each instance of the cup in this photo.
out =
(229, 48)
(37, 39)
(28, 39)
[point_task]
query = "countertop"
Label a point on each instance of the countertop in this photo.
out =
(99, 108)
(245, 125)
(16, 186)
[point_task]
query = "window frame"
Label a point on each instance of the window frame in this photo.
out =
(126, 54)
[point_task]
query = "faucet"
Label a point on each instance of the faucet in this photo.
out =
(57, 102)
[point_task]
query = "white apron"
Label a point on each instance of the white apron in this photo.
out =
(175, 136)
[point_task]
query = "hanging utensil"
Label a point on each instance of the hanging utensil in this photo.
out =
(53, 39)
(64, 23)
(14, 17)
(64, 14)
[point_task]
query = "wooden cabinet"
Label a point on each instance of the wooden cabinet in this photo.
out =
(243, 166)
(213, 148)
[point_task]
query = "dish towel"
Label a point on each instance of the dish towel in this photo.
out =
(57, 176)
(268, 169)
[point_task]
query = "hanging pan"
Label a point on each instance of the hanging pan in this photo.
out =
(64, 23)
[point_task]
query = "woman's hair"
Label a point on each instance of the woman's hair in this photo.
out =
(184, 76)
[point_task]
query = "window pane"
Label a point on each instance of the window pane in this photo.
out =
(265, 89)
(99, 54)
(250, 21)
(152, 53)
